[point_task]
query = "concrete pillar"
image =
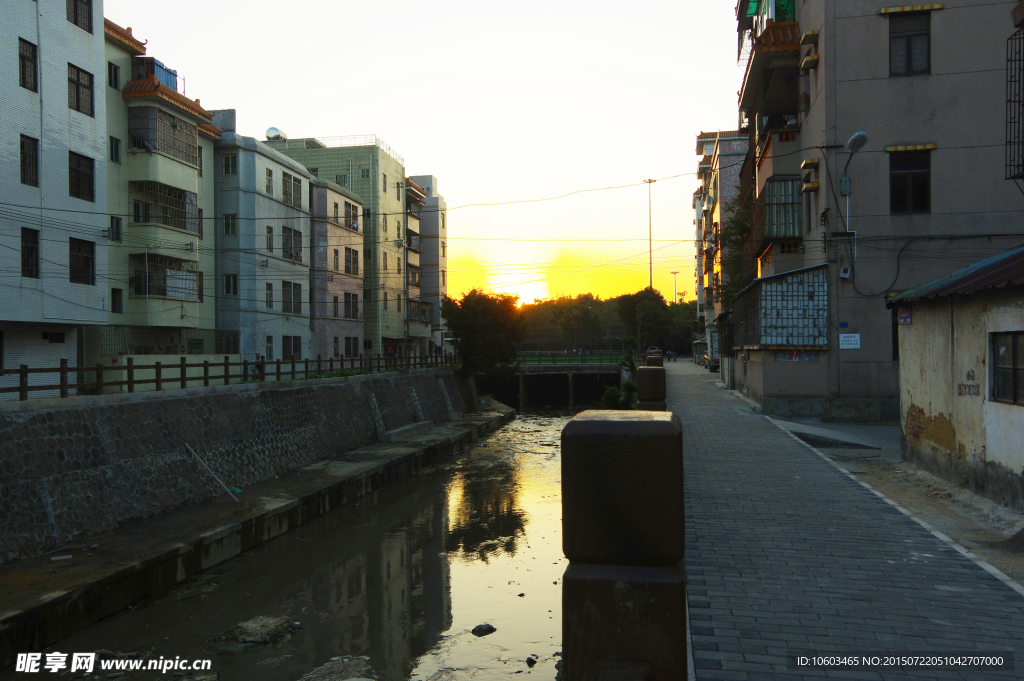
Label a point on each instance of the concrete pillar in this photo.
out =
(650, 388)
(623, 597)
(522, 393)
(655, 361)
(572, 396)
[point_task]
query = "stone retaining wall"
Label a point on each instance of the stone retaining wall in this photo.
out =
(81, 466)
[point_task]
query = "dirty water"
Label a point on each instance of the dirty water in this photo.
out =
(391, 589)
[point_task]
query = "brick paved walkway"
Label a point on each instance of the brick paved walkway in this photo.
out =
(787, 554)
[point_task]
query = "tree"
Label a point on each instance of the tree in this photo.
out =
(485, 331)
(736, 272)
(628, 305)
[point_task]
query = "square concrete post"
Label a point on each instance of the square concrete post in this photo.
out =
(655, 361)
(650, 388)
(622, 531)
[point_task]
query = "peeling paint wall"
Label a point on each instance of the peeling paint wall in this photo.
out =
(949, 424)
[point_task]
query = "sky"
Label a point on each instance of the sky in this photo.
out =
(504, 103)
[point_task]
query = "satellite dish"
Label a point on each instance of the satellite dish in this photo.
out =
(856, 142)
(275, 134)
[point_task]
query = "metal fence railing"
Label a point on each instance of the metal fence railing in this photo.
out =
(131, 377)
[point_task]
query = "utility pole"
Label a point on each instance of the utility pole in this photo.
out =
(674, 295)
(650, 240)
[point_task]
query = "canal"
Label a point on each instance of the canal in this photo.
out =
(400, 579)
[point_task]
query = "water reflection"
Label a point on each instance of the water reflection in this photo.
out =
(400, 579)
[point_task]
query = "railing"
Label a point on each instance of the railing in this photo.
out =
(526, 357)
(95, 379)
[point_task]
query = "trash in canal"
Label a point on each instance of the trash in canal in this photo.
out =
(483, 630)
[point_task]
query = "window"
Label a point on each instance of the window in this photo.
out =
(444, 250)
(29, 161)
(315, 172)
(80, 13)
(80, 177)
(270, 181)
(335, 344)
(113, 75)
(351, 261)
(384, 184)
(230, 164)
(398, 302)
(230, 224)
(384, 223)
(270, 296)
(291, 297)
(80, 90)
(153, 130)
(28, 60)
(269, 349)
(443, 278)
(342, 180)
(909, 182)
(199, 158)
(385, 300)
(336, 306)
(291, 190)
(270, 239)
(336, 213)
(385, 266)
(114, 234)
(337, 260)
(231, 284)
(1008, 367)
(82, 261)
(351, 306)
(164, 205)
(442, 220)
(367, 344)
(909, 44)
(291, 348)
(291, 244)
(115, 150)
(399, 265)
(117, 300)
(398, 191)
(30, 253)
(364, 173)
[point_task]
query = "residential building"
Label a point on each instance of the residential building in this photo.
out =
(158, 197)
(961, 340)
(53, 222)
(262, 246)
(722, 155)
(336, 280)
(374, 172)
(418, 317)
(852, 226)
(434, 257)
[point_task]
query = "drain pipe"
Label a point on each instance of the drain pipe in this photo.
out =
(212, 473)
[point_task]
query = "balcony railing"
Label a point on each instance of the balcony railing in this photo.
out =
(418, 311)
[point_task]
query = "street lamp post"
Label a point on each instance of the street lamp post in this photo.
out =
(855, 144)
(650, 240)
(674, 294)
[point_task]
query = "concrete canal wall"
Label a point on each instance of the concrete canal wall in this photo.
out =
(77, 467)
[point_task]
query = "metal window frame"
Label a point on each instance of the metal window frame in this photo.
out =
(81, 177)
(908, 36)
(157, 203)
(80, 82)
(28, 56)
(1016, 365)
(79, 12)
(81, 261)
(1015, 106)
(30, 254)
(29, 161)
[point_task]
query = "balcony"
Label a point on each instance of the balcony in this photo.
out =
(777, 42)
(162, 276)
(414, 241)
(776, 214)
(418, 311)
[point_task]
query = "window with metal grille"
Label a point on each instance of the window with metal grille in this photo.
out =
(226, 342)
(364, 173)
(82, 261)
(909, 182)
(113, 75)
(81, 179)
(384, 183)
(385, 261)
(351, 261)
(29, 161)
(80, 90)
(30, 253)
(399, 265)
(231, 284)
(336, 310)
(28, 61)
(341, 180)
(230, 164)
(114, 233)
(155, 202)
(230, 224)
(80, 13)
(117, 300)
(1015, 106)
(270, 181)
(291, 190)
(286, 297)
(115, 150)
(166, 276)
(337, 260)
(909, 44)
(270, 296)
(270, 239)
(1007, 383)
(351, 306)
(292, 244)
(199, 149)
(154, 130)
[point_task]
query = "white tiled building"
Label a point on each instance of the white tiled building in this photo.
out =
(53, 223)
(263, 247)
(433, 255)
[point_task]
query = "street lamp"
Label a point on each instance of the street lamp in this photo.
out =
(855, 144)
(650, 240)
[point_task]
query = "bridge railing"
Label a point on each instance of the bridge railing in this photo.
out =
(528, 357)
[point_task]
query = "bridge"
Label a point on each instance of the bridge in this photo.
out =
(567, 375)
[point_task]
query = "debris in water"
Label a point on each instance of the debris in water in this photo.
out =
(483, 630)
(54, 559)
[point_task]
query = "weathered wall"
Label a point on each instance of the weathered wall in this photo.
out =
(81, 466)
(949, 424)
